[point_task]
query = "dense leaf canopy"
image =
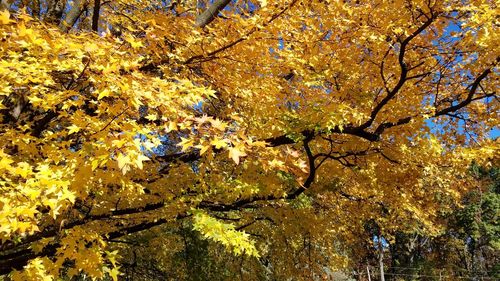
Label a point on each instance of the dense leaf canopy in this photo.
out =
(281, 131)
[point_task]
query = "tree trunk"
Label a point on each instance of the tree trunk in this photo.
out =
(95, 15)
(381, 258)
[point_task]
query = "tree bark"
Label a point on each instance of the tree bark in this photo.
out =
(381, 258)
(5, 4)
(55, 10)
(209, 14)
(95, 15)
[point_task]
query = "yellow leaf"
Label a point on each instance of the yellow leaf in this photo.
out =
(235, 154)
(139, 160)
(172, 126)
(219, 143)
(91, 47)
(66, 194)
(30, 212)
(277, 164)
(112, 257)
(119, 143)
(5, 17)
(133, 43)
(23, 169)
(32, 193)
(95, 164)
(72, 272)
(186, 143)
(152, 117)
(114, 273)
(203, 149)
(104, 93)
(219, 125)
(122, 161)
(4, 161)
(73, 129)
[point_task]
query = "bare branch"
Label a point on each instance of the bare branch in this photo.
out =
(446, 111)
(470, 96)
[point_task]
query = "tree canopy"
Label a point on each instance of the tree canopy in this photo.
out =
(274, 134)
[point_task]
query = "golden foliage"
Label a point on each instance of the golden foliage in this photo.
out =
(294, 118)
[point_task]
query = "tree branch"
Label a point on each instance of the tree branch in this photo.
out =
(209, 14)
(89, 218)
(470, 96)
(21, 258)
(402, 76)
(446, 111)
(73, 15)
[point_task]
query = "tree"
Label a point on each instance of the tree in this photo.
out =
(466, 248)
(276, 130)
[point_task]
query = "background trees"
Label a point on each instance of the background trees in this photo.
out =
(280, 132)
(466, 248)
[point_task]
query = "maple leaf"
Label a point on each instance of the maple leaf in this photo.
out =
(172, 126)
(203, 119)
(5, 161)
(186, 143)
(218, 124)
(235, 153)
(73, 129)
(219, 143)
(139, 160)
(133, 42)
(114, 273)
(123, 162)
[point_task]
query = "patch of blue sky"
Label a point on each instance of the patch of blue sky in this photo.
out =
(383, 241)
(495, 133)
(198, 106)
